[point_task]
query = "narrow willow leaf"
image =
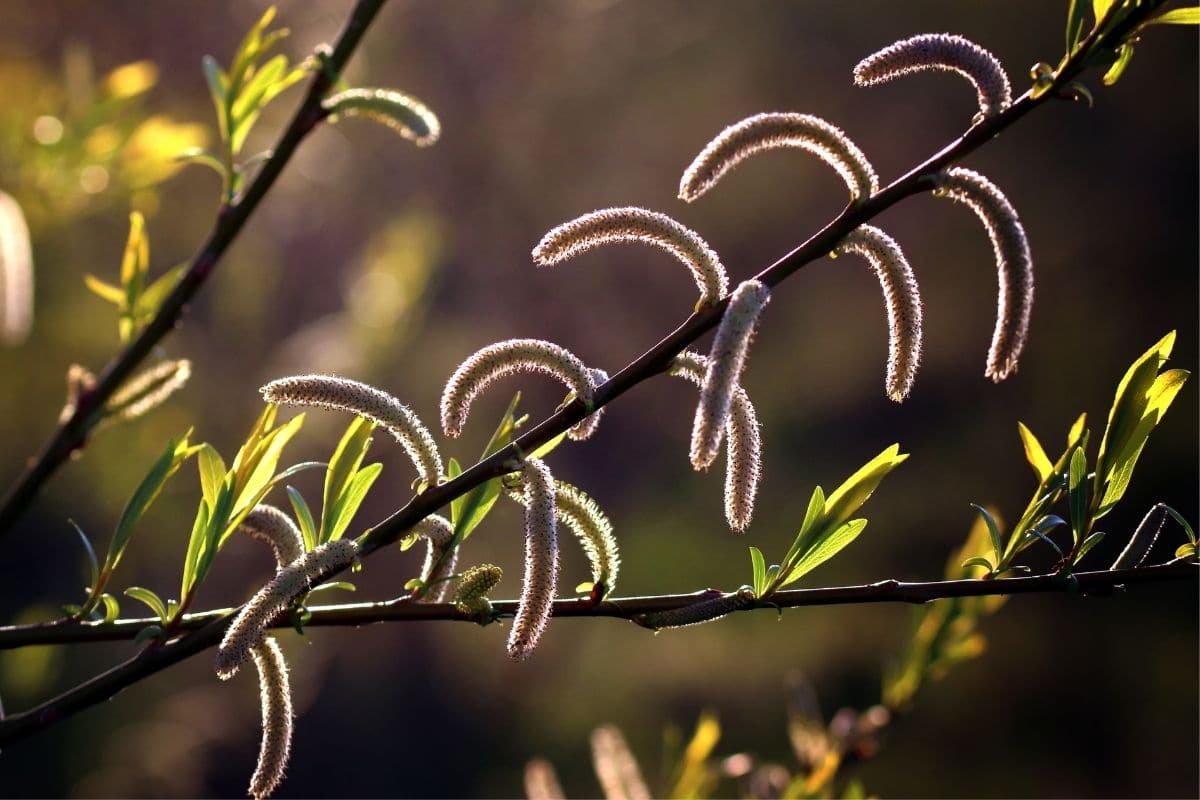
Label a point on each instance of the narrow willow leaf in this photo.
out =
(813, 518)
(351, 499)
(978, 561)
(308, 528)
(1091, 541)
(476, 504)
(1034, 453)
(1186, 550)
(212, 472)
(1178, 16)
(1129, 405)
(343, 466)
(93, 563)
(858, 488)
(106, 291)
(1124, 56)
(826, 548)
(1078, 431)
(195, 544)
(150, 599)
(112, 609)
(1183, 523)
(993, 530)
(1075, 20)
(147, 491)
(1077, 493)
(453, 470)
(199, 155)
(217, 89)
(759, 566)
(550, 446)
(157, 291)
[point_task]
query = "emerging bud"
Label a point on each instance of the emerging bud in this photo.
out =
(1143, 539)
(472, 588)
(941, 51)
(342, 394)
(616, 768)
(632, 224)
(1014, 264)
(726, 361)
(774, 130)
(541, 561)
(16, 273)
(438, 531)
(541, 781)
(701, 612)
(901, 296)
(148, 390)
(506, 358)
(276, 698)
(405, 115)
(591, 527)
(270, 525)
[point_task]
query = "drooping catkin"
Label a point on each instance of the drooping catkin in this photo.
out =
(472, 587)
(743, 445)
(506, 358)
(901, 296)
(632, 224)
(591, 527)
(148, 390)
(541, 781)
(271, 525)
(16, 273)
(616, 768)
(726, 360)
(438, 531)
(541, 560)
(774, 130)
(343, 394)
(406, 115)
(1014, 264)
(588, 425)
(276, 698)
(247, 628)
(1143, 539)
(941, 51)
(699, 613)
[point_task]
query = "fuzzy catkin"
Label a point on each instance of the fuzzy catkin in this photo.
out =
(472, 587)
(587, 427)
(541, 781)
(726, 360)
(1143, 539)
(591, 527)
(406, 115)
(276, 698)
(271, 525)
(901, 296)
(941, 51)
(247, 628)
(632, 224)
(148, 390)
(743, 445)
(1014, 264)
(616, 768)
(343, 394)
(16, 273)
(699, 613)
(541, 560)
(506, 358)
(438, 531)
(773, 130)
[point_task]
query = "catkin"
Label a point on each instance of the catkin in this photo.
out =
(1014, 264)
(941, 51)
(406, 115)
(16, 273)
(247, 628)
(541, 560)
(632, 224)
(587, 427)
(148, 390)
(774, 130)
(438, 531)
(699, 613)
(270, 525)
(616, 768)
(342, 394)
(472, 587)
(726, 361)
(541, 781)
(1143, 539)
(901, 296)
(506, 358)
(276, 698)
(743, 445)
(591, 527)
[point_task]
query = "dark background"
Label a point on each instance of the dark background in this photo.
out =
(391, 264)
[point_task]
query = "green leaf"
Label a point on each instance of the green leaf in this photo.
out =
(759, 566)
(993, 530)
(195, 545)
(356, 492)
(978, 561)
(304, 516)
(250, 99)
(106, 291)
(1088, 543)
(1186, 550)
(259, 466)
(93, 564)
(584, 588)
(212, 472)
(453, 470)
(147, 491)
(1124, 56)
(1077, 493)
(112, 609)
(1078, 430)
(479, 501)
(345, 586)
(156, 292)
(1183, 523)
(199, 155)
(1075, 19)
(549, 446)
(343, 466)
(413, 584)
(828, 547)
(150, 599)
(1178, 16)
(1034, 454)
(849, 497)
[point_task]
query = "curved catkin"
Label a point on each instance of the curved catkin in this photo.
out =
(541, 781)
(726, 360)
(632, 224)
(743, 445)
(472, 587)
(271, 525)
(941, 51)
(591, 527)
(342, 394)
(774, 130)
(616, 768)
(438, 531)
(541, 560)
(1143, 539)
(406, 115)
(1014, 264)
(148, 390)
(276, 698)
(16, 273)
(247, 628)
(585, 429)
(902, 297)
(699, 613)
(507, 358)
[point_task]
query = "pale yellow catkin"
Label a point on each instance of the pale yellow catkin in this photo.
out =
(594, 530)
(148, 390)
(406, 115)
(632, 224)
(343, 394)
(775, 130)
(472, 587)
(1014, 264)
(271, 525)
(726, 360)
(941, 51)
(901, 297)
(541, 781)
(438, 531)
(743, 445)
(276, 699)
(507, 358)
(616, 768)
(16, 273)
(540, 582)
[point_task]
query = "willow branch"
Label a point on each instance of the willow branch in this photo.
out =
(71, 435)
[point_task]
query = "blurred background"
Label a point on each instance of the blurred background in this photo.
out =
(390, 264)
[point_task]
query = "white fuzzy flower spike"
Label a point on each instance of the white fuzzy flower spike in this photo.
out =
(579, 512)
(506, 358)
(247, 628)
(902, 297)
(406, 115)
(343, 394)
(276, 698)
(148, 390)
(438, 531)
(632, 224)
(726, 360)
(774, 130)
(941, 51)
(1014, 264)
(541, 561)
(616, 768)
(541, 781)
(743, 445)
(270, 525)
(16, 273)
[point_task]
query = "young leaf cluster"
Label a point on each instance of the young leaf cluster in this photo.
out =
(137, 298)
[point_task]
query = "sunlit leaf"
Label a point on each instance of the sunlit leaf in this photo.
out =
(147, 491)
(759, 566)
(212, 472)
(826, 548)
(1075, 20)
(1077, 493)
(105, 291)
(1124, 56)
(352, 498)
(304, 516)
(1034, 453)
(993, 529)
(479, 501)
(857, 489)
(150, 599)
(1186, 550)
(978, 561)
(1178, 16)
(1091, 541)
(1183, 523)
(343, 465)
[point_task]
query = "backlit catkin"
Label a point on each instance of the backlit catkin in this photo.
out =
(775, 130)
(148, 390)
(16, 273)
(541, 560)
(276, 698)
(591, 527)
(743, 445)
(270, 525)
(342, 394)
(405, 115)
(901, 296)
(438, 531)
(632, 224)
(1143, 539)
(701, 612)
(507, 358)
(941, 51)
(726, 360)
(247, 628)
(541, 781)
(1014, 264)
(616, 768)
(472, 587)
